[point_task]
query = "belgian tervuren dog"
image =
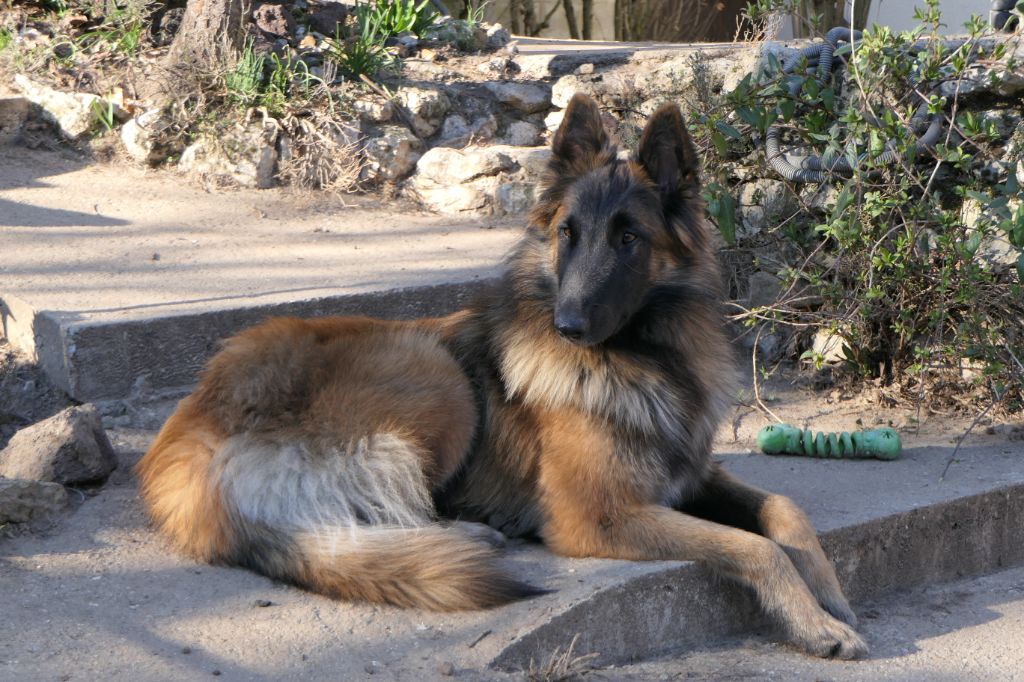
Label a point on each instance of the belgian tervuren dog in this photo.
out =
(576, 402)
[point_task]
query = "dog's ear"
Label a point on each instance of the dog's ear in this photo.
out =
(667, 154)
(581, 144)
(668, 157)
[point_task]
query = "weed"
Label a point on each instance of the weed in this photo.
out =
(103, 114)
(6, 38)
(245, 80)
(562, 666)
(122, 31)
(362, 54)
(392, 17)
(476, 12)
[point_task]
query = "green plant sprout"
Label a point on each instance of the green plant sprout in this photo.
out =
(783, 439)
(103, 114)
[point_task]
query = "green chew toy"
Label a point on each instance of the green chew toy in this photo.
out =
(783, 439)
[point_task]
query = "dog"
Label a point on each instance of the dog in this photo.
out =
(575, 401)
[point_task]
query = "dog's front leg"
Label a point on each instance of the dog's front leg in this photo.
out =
(595, 505)
(725, 499)
(652, 532)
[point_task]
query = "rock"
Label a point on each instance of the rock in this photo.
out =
(501, 67)
(457, 133)
(454, 132)
(483, 180)
(327, 16)
(457, 32)
(28, 501)
(243, 155)
(585, 69)
(13, 114)
(139, 136)
(308, 42)
(993, 246)
(274, 20)
(427, 108)
(532, 161)
(515, 197)
(444, 166)
(554, 119)
(407, 41)
(567, 86)
(69, 448)
(497, 37)
(74, 113)
(764, 289)
(829, 346)
(390, 156)
(446, 668)
(821, 198)
(528, 98)
(373, 110)
(958, 88)
(522, 134)
(762, 203)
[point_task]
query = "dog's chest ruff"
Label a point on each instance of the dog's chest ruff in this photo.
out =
(620, 391)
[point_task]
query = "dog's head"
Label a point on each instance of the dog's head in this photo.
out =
(617, 228)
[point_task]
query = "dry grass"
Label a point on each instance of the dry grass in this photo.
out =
(563, 666)
(322, 153)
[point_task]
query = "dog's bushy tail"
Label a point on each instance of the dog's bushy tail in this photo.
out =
(436, 568)
(353, 523)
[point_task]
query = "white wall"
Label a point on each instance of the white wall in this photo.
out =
(899, 14)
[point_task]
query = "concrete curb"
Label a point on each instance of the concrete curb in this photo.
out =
(115, 359)
(680, 607)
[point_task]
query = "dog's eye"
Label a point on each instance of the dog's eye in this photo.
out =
(628, 237)
(565, 231)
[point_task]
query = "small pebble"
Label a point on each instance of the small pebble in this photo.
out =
(447, 669)
(263, 603)
(216, 673)
(186, 650)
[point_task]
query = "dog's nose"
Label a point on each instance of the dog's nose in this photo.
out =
(572, 327)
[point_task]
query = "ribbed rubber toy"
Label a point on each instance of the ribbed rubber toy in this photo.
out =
(783, 439)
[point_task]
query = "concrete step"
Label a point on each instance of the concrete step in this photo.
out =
(887, 526)
(125, 282)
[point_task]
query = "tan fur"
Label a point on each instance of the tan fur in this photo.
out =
(314, 451)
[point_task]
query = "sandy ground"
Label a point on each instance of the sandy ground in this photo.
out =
(114, 241)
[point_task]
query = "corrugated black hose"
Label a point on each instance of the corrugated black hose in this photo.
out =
(814, 168)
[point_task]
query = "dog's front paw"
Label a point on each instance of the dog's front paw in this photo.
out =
(830, 638)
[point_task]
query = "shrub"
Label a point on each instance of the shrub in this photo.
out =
(895, 258)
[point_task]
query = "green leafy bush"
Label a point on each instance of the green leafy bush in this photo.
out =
(917, 265)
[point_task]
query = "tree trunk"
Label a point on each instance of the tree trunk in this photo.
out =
(570, 19)
(211, 33)
(515, 18)
(588, 19)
